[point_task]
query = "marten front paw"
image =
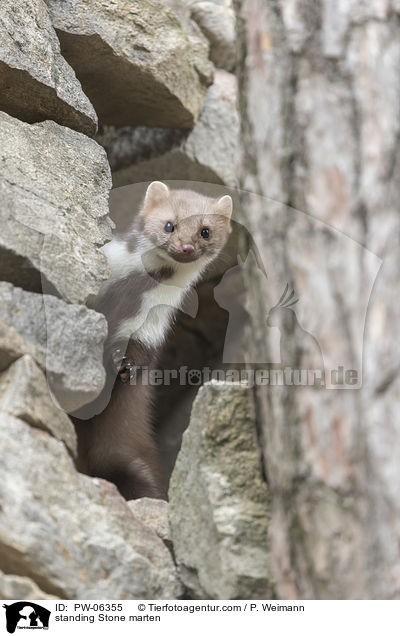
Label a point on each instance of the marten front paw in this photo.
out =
(124, 367)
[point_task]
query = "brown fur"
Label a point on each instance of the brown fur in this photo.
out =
(117, 442)
(112, 448)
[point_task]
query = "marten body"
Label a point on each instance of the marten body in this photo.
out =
(176, 235)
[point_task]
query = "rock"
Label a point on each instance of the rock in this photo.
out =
(65, 340)
(154, 514)
(14, 587)
(25, 394)
(13, 346)
(73, 535)
(218, 508)
(128, 146)
(209, 153)
(36, 82)
(217, 22)
(158, 71)
(214, 142)
(54, 207)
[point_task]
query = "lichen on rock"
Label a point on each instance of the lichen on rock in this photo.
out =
(218, 500)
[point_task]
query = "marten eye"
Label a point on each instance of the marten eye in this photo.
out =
(169, 227)
(205, 233)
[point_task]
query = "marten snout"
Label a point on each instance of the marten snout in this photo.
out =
(188, 248)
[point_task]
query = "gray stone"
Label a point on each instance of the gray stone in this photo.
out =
(65, 340)
(158, 71)
(36, 82)
(73, 535)
(13, 346)
(14, 587)
(209, 153)
(218, 23)
(154, 514)
(25, 394)
(54, 185)
(127, 146)
(218, 508)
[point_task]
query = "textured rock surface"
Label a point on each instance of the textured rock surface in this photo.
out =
(13, 345)
(73, 535)
(154, 514)
(217, 21)
(53, 208)
(157, 70)
(326, 145)
(209, 153)
(14, 587)
(25, 394)
(65, 340)
(36, 82)
(218, 506)
(143, 63)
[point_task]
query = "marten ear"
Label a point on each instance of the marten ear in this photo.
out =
(224, 206)
(155, 194)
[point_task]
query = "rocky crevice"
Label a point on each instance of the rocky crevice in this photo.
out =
(314, 153)
(168, 116)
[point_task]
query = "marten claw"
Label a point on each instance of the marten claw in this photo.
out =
(124, 367)
(128, 373)
(118, 359)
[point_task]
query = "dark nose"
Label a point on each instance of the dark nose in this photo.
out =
(188, 249)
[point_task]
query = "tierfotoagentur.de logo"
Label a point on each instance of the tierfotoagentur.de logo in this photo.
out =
(26, 615)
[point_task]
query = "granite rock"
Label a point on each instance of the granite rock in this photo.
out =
(15, 587)
(65, 340)
(209, 153)
(74, 536)
(54, 207)
(157, 70)
(218, 23)
(218, 501)
(154, 514)
(25, 394)
(36, 82)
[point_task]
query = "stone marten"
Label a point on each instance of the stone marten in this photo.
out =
(175, 236)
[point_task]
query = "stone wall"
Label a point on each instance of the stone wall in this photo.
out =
(78, 79)
(279, 492)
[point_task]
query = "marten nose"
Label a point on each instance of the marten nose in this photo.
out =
(188, 248)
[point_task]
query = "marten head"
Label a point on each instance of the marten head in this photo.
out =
(183, 225)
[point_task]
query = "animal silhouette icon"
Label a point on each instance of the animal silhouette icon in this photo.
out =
(26, 615)
(298, 347)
